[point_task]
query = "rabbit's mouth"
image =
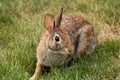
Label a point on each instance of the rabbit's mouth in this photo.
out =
(59, 50)
(54, 48)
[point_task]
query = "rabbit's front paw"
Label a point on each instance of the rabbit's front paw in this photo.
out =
(32, 78)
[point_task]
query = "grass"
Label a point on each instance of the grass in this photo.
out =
(21, 26)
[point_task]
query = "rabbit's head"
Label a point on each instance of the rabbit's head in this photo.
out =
(58, 39)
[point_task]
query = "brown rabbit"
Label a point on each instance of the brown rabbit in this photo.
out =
(65, 37)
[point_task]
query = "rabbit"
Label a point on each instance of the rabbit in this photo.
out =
(65, 37)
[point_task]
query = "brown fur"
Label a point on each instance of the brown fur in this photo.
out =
(76, 37)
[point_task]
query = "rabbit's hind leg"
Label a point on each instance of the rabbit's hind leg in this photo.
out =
(86, 41)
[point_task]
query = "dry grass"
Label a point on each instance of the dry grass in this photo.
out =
(109, 32)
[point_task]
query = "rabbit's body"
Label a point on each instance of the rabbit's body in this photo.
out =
(65, 37)
(81, 32)
(81, 35)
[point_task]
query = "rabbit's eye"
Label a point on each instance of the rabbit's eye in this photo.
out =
(57, 38)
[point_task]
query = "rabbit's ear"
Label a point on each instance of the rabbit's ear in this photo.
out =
(48, 21)
(58, 18)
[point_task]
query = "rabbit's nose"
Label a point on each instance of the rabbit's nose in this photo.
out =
(58, 45)
(70, 51)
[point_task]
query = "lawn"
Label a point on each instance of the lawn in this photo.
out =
(21, 27)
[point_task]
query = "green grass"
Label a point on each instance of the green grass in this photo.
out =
(21, 26)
